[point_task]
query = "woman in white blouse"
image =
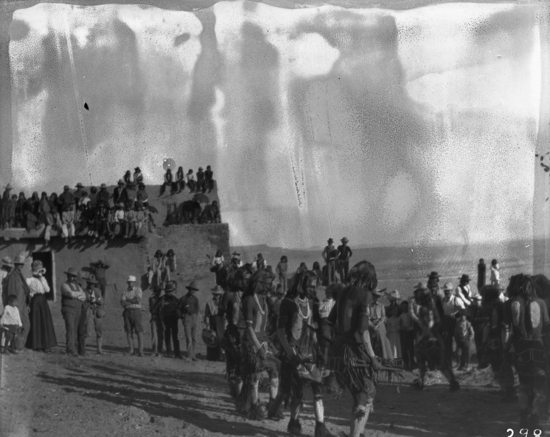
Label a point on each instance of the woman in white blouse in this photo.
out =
(42, 334)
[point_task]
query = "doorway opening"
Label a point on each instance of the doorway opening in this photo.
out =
(47, 259)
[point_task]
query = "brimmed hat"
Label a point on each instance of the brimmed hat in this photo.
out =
(36, 265)
(131, 278)
(465, 278)
(79, 185)
(378, 292)
(103, 186)
(19, 259)
(6, 261)
(236, 254)
(120, 182)
(419, 286)
(170, 287)
(393, 295)
(137, 169)
(448, 286)
(91, 280)
(210, 338)
(217, 290)
(66, 187)
(330, 240)
(434, 275)
(344, 240)
(192, 286)
(72, 272)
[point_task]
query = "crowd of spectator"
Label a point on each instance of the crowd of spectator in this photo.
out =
(96, 212)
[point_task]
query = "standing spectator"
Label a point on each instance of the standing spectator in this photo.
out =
(72, 297)
(157, 328)
(170, 264)
(377, 326)
(189, 305)
(103, 196)
(464, 291)
(393, 297)
(464, 334)
(131, 194)
(190, 178)
(481, 274)
(210, 315)
(158, 270)
(120, 195)
(170, 313)
(167, 182)
(20, 210)
(16, 285)
(259, 262)
(131, 302)
(94, 312)
(328, 261)
(200, 180)
(42, 333)
(345, 255)
(45, 215)
(180, 180)
(142, 196)
(10, 326)
(79, 193)
(282, 272)
(318, 272)
(9, 210)
(127, 176)
(138, 176)
(208, 179)
(99, 270)
(218, 260)
(392, 326)
(452, 303)
(495, 273)
(406, 335)
(93, 197)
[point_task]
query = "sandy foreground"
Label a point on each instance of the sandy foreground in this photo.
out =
(119, 395)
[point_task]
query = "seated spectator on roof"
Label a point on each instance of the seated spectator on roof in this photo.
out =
(93, 197)
(180, 180)
(200, 180)
(79, 192)
(168, 179)
(19, 210)
(131, 194)
(190, 177)
(208, 181)
(127, 177)
(103, 196)
(120, 195)
(138, 176)
(66, 199)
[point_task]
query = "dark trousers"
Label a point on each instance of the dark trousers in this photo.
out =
(72, 317)
(463, 347)
(190, 324)
(407, 348)
(102, 287)
(180, 185)
(81, 332)
(480, 351)
(344, 270)
(171, 334)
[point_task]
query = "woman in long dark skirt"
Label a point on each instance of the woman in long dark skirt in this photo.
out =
(210, 314)
(42, 334)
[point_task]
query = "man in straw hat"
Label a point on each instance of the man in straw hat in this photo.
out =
(72, 298)
(352, 358)
(429, 341)
(464, 291)
(189, 305)
(377, 326)
(345, 255)
(94, 312)
(16, 285)
(131, 302)
(210, 315)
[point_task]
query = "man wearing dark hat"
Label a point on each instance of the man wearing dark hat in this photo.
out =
(120, 195)
(481, 274)
(72, 298)
(464, 291)
(16, 285)
(345, 255)
(99, 270)
(79, 192)
(236, 260)
(330, 258)
(168, 308)
(94, 312)
(131, 302)
(210, 315)
(352, 358)
(103, 196)
(430, 348)
(189, 305)
(259, 262)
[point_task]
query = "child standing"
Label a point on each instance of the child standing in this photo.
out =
(11, 326)
(282, 269)
(464, 334)
(392, 327)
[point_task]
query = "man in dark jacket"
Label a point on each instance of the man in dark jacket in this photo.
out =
(103, 196)
(481, 274)
(120, 195)
(345, 255)
(208, 181)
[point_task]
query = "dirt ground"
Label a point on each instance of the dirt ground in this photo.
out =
(119, 395)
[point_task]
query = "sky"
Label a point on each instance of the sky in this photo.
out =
(387, 127)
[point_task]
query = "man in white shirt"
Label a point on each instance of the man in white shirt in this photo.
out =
(452, 302)
(72, 297)
(131, 302)
(464, 291)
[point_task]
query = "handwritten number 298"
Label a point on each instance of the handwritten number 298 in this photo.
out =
(524, 432)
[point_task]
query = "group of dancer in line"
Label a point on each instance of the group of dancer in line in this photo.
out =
(302, 348)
